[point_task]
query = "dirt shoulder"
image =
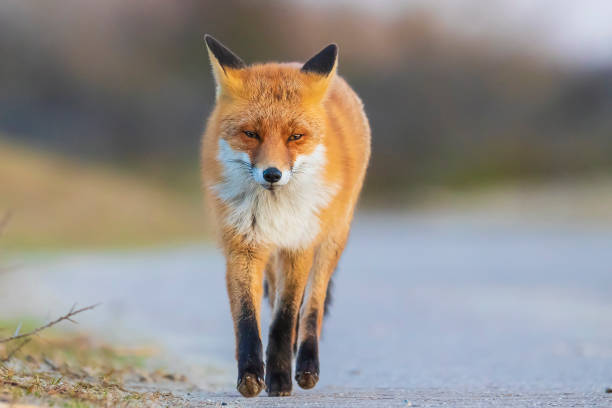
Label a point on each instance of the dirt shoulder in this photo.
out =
(73, 369)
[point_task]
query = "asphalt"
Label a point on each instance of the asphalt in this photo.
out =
(429, 310)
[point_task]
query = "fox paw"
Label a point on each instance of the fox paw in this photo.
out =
(306, 379)
(250, 385)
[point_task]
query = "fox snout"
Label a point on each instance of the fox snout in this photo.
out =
(271, 176)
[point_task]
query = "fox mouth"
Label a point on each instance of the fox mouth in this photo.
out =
(270, 186)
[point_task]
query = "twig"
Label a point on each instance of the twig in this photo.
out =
(67, 316)
(15, 350)
(50, 364)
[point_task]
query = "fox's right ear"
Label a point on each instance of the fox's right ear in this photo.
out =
(225, 65)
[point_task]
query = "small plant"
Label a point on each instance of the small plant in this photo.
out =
(70, 369)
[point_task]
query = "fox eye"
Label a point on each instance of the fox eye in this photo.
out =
(251, 134)
(295, 136)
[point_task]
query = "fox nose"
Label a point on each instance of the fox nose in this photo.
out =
(272, 174)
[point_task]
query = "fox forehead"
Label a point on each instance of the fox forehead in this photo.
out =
(273, 82)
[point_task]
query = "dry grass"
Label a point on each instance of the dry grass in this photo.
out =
(586, 201)
(58, 202)
(43, 367)
(73, 370)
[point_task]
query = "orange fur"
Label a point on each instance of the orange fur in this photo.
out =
(276, 101)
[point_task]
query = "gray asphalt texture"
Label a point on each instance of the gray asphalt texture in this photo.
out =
(429, 310)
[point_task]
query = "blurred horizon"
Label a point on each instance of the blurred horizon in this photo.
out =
(477, 270)
(576, 34)
(461, 95)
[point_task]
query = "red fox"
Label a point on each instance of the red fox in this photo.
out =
(284, 155)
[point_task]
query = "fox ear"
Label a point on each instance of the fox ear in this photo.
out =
(324, 63)
(225, 65)
(321, 69)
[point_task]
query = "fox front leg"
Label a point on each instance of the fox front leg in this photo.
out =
(311, 315)
(292, 275)
(245, 265)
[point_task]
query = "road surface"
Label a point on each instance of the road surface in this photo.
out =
(429, 310)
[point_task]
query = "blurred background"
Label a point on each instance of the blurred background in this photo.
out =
(102, 105)
(480, 258)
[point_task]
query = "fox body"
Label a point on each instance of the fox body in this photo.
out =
(284, 156)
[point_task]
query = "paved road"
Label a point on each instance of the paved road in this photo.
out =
(428, 311)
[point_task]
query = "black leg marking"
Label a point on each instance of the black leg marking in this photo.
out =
(279, 354)
(295, 339)
(250, 351)
(307, 364)
(328, 295)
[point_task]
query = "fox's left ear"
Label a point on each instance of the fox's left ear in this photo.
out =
(324, 63)
(225, 64)
(321, 69)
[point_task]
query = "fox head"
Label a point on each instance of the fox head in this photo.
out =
(270, 116)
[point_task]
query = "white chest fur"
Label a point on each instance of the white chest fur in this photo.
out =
(286, 217)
